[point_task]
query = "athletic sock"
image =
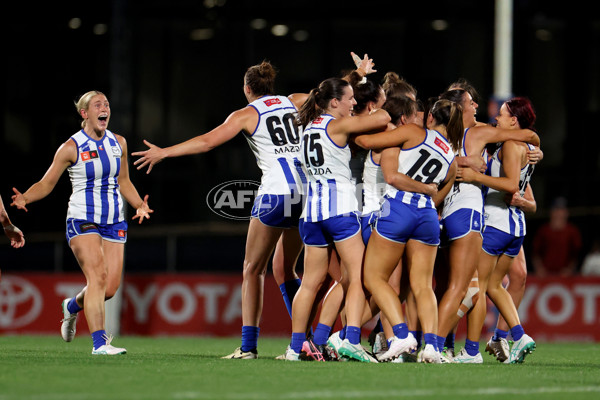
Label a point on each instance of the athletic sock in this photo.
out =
(449, 342)
(517, 332)
(440, 343)
(298, 340)
(353, 334)
(250, 337)
(72, 306)
(99, 338)
(288, 291)
(400, 330)
(432, 339)
(321, 334)
(471, 347)
(499, 334)
(343, 333)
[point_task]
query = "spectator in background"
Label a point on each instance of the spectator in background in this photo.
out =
(591, 262)
(557, 243)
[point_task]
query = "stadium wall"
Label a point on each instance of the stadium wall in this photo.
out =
(560, 309)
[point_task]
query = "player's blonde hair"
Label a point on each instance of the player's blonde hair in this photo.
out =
(84, 102)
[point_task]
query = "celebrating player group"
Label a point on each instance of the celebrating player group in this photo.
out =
(409, 211)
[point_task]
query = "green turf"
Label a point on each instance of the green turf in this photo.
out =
(46, 368)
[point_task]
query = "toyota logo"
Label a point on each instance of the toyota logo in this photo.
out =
(20, 302)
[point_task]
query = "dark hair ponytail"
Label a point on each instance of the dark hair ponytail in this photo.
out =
(319, 98)
(448, 113)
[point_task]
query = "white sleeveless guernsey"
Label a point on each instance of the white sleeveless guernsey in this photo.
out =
(428, 162)
(464, 195)
(95, 179)
(276, 145)
(330, 190)
(498, 214)
(374, 185)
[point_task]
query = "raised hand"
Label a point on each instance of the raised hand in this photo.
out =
(149, 157)
(18, 200)
(143, 211)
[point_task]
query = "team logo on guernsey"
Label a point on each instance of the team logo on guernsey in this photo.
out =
(233, 199)
(89, 155)
(439, 143)
(271, 102)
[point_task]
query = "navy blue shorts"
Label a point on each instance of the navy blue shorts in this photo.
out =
(461, 222)
(111, 232)
(334, 229)
(278, 210)
(405, 221)
(496, 242)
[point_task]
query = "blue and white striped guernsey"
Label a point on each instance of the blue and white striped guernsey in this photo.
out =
(464, 194)
(505, 218)
(428, 162)
(276, 145)
(330, 190)
(94, 177)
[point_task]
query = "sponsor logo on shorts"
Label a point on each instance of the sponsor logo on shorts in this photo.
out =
(121, 233)
(87, 226)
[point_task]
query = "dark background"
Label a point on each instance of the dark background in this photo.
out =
(166, 87)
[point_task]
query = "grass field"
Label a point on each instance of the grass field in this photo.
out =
(46, 368)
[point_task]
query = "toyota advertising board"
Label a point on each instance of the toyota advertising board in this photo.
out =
(210, 304)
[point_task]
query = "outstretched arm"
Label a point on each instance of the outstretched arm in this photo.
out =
(65, 156)
(382, 140)
(244, 119)
(489, 134)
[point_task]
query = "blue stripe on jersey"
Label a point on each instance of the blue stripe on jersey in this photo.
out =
(287, 172)
(105, 163)
(116, 192)
(116, 182)
(511, 222)
(521, 221)
(332, 186)
(90, 174)
(298, 165)
(308, 205)
(319, 201)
